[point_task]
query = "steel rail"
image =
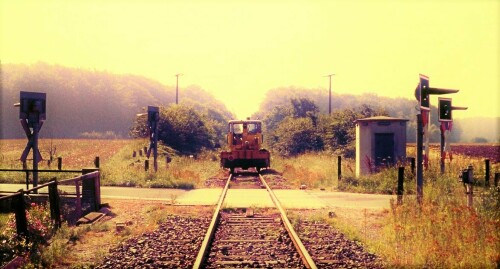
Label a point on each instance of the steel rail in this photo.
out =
(205, 245)
(304, 254)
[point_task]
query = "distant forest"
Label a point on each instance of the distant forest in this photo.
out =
(88, 104)
(476, 130)
(84, 103)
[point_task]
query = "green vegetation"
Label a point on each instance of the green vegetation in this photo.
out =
(276, 105)
(183, 172)
(187, 128)
(441, 233)
(118, 166)
(297, 127)
(315, 170)
(40, 229)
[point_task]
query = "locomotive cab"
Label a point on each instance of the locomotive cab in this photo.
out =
(245, 139)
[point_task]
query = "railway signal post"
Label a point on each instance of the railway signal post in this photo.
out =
(445, 118)
(422, 94)
(32, 115)
(153, 118)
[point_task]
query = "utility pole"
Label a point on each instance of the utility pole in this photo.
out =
(330, 94)
(177, 89)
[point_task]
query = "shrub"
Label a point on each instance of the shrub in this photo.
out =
(40, 230)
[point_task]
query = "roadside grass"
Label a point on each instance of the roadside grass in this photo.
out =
(182, 172)
(315, 170)
(442, 232)
(118, 167)
(60, 253)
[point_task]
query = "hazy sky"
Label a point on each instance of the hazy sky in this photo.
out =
(238, 49)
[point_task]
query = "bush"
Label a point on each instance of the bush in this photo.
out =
(40, 230)
(296, 136)
(187, 128)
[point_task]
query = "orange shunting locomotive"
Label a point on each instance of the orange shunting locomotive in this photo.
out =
(245, 143)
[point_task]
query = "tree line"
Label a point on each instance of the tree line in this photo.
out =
(97, 104)
(85, 103)
(359, 106)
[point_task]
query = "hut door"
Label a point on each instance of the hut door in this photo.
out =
(384, 149)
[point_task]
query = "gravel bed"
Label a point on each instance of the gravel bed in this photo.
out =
(215, 182)
(174, 244)
(277, 182)
(273, 178)
(252, 241)
(245, 180)
(331, 249)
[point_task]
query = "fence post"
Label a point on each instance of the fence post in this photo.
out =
(25, 167)
(20, 211)
(146, 165)
(96, 162)
(487, 174)
(470, 194)
(412, 165)
(97, 185)
(470, 186)
(339, 167)
(401, 176)
(78, 199)
(92, 190)
(497, 177)
(59, 163)
(54, 201)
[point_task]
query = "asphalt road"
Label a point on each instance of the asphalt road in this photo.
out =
(239, 197)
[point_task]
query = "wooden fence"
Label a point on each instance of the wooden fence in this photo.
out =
(69, 205)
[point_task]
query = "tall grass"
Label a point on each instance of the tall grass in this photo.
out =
(315, 170)
(442, 232)
(182, 172)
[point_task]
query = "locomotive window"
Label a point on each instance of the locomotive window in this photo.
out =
(253, 128)
(237, 128)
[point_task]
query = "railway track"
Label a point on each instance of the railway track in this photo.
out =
(247, 238)
(240, 238)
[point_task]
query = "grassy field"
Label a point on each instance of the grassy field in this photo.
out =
(118, 167)
(442, 232)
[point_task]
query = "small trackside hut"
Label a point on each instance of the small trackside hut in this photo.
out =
(245, 139)
(380, 142)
